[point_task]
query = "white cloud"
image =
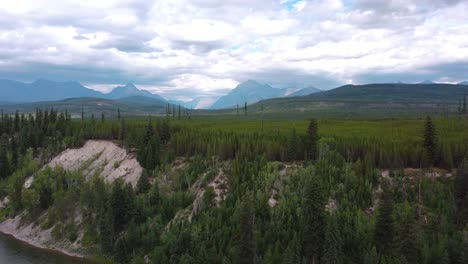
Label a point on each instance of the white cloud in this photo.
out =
(208, 46)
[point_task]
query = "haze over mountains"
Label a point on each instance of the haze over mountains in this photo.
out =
(73, 95)
(45, 90)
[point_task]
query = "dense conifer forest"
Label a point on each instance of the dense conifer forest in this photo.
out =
(249, 191)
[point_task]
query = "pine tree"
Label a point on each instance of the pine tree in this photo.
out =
(178, 115)
(409, 238)
(118, 114)
(103, 118)
(143, 184)
(82, 113)
(312, 137)
(461, 193)
(464, 104)
(5, 168)
(384, 226)
(245, 108)
(292, 145)
(293, 255)
(14, 154)
(246, 231)
(314, 214)
(332, 252)
(429, 140)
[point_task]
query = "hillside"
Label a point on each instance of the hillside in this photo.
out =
(130, 106)
(369, 100)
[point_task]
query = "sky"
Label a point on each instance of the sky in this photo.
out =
(187, 48)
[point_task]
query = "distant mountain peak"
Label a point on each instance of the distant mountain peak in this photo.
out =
(130, 85)
(248, 92)
(130, 90)
(463, 83)
(427, 82)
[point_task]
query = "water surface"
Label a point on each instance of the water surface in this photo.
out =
(13, 251)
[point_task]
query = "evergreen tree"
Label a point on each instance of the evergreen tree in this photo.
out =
(246, 232)
(143, 184)
(384, 226)
(332, 253)
(4, 163)
(102, 117)
(461, 193)
(178, 115)
(464, 104)
(312, 138)
(245, 108)
(429, 140)
(314, 214)
(293, 255)
(14, 154)
(409, 238)
(118, 114)
(292, 145)
(17, 121)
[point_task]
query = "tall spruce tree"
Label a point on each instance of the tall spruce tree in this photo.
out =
(409, 237)
(461, 193)
(384, 226)
(429, 140)
(179, 114)
(246, 247)
(312, 138)
(332, 248)
(4, 163)
(464, 104)
(293, 255)
(314, 219)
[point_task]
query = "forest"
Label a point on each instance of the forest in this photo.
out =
(250, 191)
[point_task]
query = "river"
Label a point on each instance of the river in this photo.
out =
(15, 252)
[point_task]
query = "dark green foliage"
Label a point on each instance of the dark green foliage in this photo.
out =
(408, 235)
(312, 139)
(464, 104)
(293, 254)
(461, 193)
(293, 145)
(246, 246)
(271, 212)
(430, 141)
(385, 227)
(143, 184)
(4, 163)
(332, 251)
(314, 218)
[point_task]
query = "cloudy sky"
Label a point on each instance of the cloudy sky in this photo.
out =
(182, 48)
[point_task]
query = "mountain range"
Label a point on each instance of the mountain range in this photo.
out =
(252, 91)
(44, 90)
(401, 97)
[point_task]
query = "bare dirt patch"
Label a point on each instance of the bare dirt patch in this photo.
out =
(101, 157)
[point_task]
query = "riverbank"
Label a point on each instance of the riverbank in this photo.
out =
(34, 236)
(13, 251)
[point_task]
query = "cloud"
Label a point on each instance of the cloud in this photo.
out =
(184, 48)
